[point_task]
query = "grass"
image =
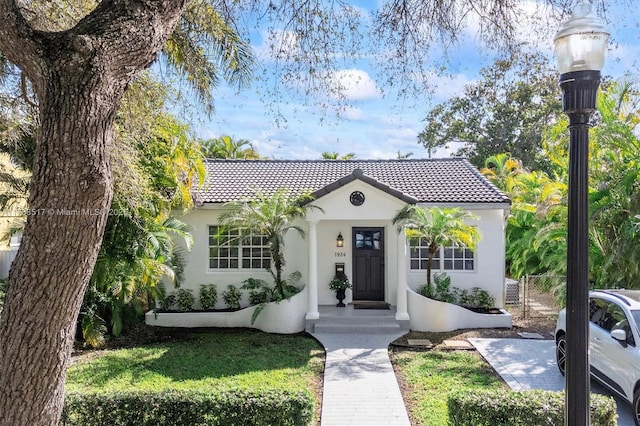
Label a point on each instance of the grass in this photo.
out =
(243, 359)
(239, 360)
(428, 378)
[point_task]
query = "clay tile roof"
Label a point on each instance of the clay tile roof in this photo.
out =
(423, 181)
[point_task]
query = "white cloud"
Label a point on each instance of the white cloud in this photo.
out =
(446, 87)
(352, 113)
(268, 143)
(355, 84)
(622, 58)
(277, 45)
(533, 22)
(536, 25)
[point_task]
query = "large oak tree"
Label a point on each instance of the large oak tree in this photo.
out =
(79, 76)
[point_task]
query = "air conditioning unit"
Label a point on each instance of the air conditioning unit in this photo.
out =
(512, 292)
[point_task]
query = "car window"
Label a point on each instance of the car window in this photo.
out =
(597, 311)
(609, 316)
(612, 316)
(636, 318)
(615, 319)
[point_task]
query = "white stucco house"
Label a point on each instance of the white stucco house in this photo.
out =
(359, 199)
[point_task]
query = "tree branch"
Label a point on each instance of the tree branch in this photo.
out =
(20, 43)
(25, 91)
(128, 33)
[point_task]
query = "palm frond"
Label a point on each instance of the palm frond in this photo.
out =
(205, 49)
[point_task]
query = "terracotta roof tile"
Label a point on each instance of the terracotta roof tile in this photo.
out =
(425, 181)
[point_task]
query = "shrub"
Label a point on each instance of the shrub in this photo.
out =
(290, 286)
(167, 302)
(208, 296)
(257, 297)
(476, 298)
(184, 407)
(480, 298)
(529, 408)
(185, 300)
(426, 291)
(231, 297)
(259, 292)
(339, 282)
(443, 288)
(463, 297)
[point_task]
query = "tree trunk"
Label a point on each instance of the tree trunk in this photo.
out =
(79, 76)
(276, 255)
(69, 202)
(433, 248)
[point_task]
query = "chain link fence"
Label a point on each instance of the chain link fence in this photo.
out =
(535, 294)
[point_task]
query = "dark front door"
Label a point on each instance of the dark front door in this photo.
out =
(368, 263)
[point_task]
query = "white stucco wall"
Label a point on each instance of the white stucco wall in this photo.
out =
(434, 316)
(489, 272)
(197, 270)
(339, 216)
(285, 317)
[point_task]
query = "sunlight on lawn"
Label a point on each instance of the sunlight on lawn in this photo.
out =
(245, 360)
(433, 376)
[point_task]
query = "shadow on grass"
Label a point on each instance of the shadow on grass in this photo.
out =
(211, 357)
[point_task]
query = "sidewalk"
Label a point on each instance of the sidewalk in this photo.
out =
(530, 364)
(360, 387)
(522, 363)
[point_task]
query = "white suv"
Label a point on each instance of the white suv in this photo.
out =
(614, 342)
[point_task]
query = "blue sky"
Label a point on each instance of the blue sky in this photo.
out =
(376, 127)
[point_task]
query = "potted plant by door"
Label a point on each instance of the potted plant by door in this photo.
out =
(340, 283)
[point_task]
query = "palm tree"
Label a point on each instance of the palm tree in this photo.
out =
(206, 49)
(440, 227)
(402, 156)
(137, 253)
(501, 169)
(271, 216)
(326, 155)
(226, 147)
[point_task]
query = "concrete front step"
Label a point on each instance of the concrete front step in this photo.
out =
(355, 324)
(356, 328)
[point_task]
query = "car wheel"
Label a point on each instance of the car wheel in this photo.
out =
(561, 352)
(636, 407)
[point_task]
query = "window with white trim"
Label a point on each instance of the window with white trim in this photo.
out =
(419, 254)
(230, 250)
(451, 258)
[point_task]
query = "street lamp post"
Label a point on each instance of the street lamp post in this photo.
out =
(580, 45)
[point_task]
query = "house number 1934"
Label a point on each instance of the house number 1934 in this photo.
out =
(340, 254)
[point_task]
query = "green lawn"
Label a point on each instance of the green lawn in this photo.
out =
(243, 359)
(428, 378)
(239, 360)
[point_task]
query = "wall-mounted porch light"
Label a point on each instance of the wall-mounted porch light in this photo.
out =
(340, 240)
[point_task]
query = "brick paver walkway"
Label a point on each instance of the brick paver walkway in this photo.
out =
(360, 387)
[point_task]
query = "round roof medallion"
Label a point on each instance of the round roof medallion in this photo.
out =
(356, 198)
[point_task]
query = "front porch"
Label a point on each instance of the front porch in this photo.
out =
(351, 320)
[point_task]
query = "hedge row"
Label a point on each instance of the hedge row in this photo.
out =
(527, 408)
(223, 408)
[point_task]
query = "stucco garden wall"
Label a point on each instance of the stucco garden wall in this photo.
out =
(434, 316)
(286, 317)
